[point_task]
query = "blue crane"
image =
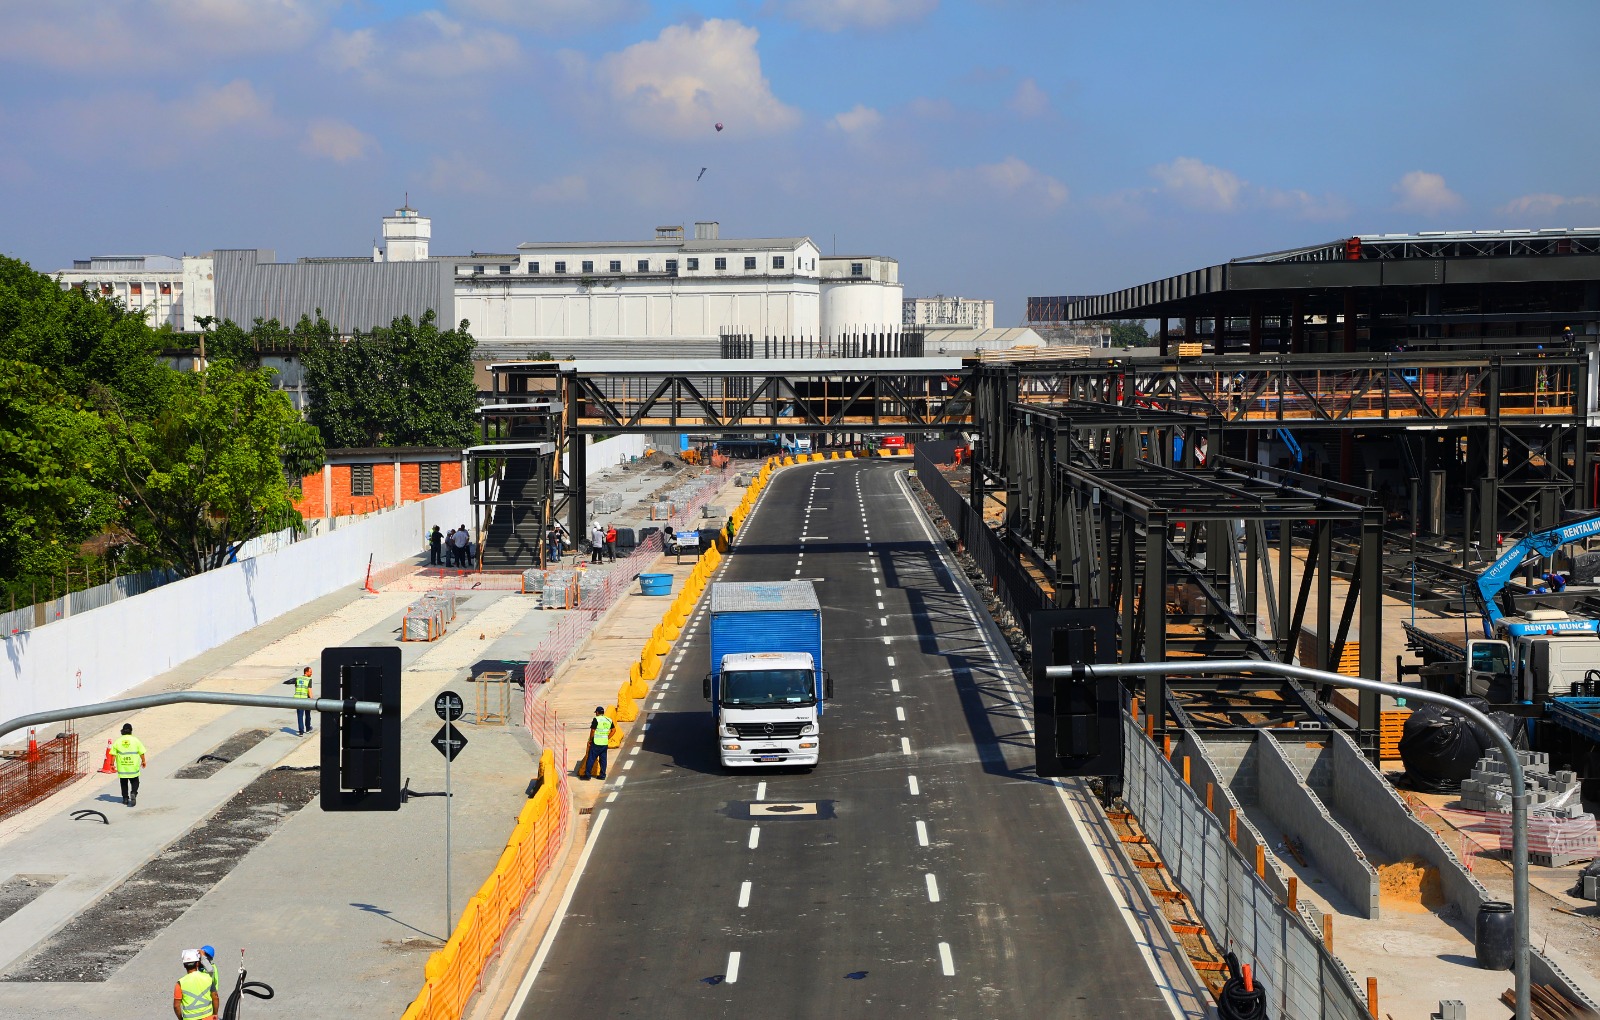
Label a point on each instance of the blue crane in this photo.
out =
(1542, 544)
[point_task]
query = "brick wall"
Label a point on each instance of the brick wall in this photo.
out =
(311, 503)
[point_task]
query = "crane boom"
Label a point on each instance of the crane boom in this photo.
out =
(1542, 544)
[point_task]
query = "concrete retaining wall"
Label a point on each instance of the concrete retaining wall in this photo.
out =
(1202, 771)
(97, 655)
(1291, 804)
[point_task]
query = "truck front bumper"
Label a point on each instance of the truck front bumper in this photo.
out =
(766, 753)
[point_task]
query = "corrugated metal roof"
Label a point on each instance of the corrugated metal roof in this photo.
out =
(675, 244)
(351, 295)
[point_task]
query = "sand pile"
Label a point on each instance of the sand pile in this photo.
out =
(1410, 884)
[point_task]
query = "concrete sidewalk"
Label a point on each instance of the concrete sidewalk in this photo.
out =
(93, 916)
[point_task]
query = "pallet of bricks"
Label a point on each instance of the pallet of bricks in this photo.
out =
(1560, 832)
(426, 618)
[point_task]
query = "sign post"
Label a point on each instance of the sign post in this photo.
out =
(449, 707)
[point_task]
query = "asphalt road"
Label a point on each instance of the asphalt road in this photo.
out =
(936, 877)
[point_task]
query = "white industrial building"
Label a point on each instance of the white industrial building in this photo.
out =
(941, 311)
(669, 294)
(168, 291)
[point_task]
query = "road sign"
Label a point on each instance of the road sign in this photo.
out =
(449, 741)
(448, 706)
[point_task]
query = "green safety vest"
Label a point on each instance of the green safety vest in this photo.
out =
(302, 686)
(602, 730)
(196, 989)
(127, 751)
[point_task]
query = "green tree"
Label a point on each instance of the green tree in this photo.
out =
(54, 459)
(410, 384)
(1130, 333)
(206, 473)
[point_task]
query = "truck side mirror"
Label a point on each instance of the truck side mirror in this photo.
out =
(706, 687)
(827, 685)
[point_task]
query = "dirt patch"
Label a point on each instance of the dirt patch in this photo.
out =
(112, 930)
(18, 891)
(208, 764)
(1411, 884)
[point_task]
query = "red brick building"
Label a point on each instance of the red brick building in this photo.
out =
(359, 481)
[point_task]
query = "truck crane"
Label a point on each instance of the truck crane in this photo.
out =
(1543, 544)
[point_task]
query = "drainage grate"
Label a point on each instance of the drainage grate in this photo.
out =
(210, 763)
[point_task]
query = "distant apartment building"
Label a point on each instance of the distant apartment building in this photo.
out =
(941, 311)
(168, 291)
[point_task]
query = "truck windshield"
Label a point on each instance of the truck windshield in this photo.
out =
(768, 688)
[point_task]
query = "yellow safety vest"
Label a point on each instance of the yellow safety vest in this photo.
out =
(127, 751)
(602, 730)
(302, 687)
(196, 989)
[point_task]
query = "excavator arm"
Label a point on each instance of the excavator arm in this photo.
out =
(1542, 544)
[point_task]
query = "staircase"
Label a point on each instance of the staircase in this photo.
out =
(517, 528)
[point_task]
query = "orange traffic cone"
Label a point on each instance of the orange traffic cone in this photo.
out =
(110, 765)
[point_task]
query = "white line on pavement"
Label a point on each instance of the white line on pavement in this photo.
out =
(561, 913)
(627, 764)
(761, 790)
(620, 781)
(922, 833)
(912, 782)
(611, 796)
(894, 685)
(744, 895)
(900, 713)
(755, 836)
(733, 969)
(905, 745)
(883, 621)
(634, 750)
(933, 888)
(946, 963)
(891, 660)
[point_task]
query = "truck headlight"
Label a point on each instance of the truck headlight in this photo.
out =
(808, 728)
(729, 731)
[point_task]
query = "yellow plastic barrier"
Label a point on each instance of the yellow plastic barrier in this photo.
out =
(637, 688)
(626, 709)
(452, 975)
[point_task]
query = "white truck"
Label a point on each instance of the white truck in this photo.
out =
(767, 686)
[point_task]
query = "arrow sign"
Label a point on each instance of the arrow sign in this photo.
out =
(449, 741)
(448, 706)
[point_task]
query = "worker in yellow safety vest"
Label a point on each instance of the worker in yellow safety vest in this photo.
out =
(194, 997)
(599, 742)
(302, 689)
(129, 755)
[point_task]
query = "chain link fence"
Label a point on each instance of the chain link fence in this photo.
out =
(1303, 980)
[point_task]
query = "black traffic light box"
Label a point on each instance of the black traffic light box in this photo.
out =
(361, 753)
(1078, 719)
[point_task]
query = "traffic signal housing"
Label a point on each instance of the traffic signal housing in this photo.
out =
(1077, 719)
(361, 753)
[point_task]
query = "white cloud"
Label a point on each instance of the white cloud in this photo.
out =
(236, 110)
(554, 16)
(1545, 204)
(1200, 185)
(691, 77)
(154, 33)
(571, 188)
(424, 47)
(1426, 193)
(838, 15)
(858, 120)
(1196, 184)
(1013, 176)
(1029, 100)
(462, 174)
(211, 108)
(337, 140)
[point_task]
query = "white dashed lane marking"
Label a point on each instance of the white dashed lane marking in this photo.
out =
(946, 962)
(744, 895)
(922, 833)
(933, 888)
(911, 781)
(733, 969)
(755, 836)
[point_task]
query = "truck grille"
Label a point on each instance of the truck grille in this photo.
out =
(776, 730)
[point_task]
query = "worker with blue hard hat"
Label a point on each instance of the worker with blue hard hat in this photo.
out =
(208, 966)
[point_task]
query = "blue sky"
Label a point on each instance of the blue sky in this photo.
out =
(997, 148)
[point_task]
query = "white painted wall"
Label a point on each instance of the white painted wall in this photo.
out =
(98, 655)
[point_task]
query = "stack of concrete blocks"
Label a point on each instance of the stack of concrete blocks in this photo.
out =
(1560, 832)
(662, 511)
(711, 511)
(608, 503)
(1489, 786)
(559, 589)
(591, 584)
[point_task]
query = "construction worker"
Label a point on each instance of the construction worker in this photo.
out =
(302, 690)
(129, 755)
(208, 965)
(599, 742)
(194, 997)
